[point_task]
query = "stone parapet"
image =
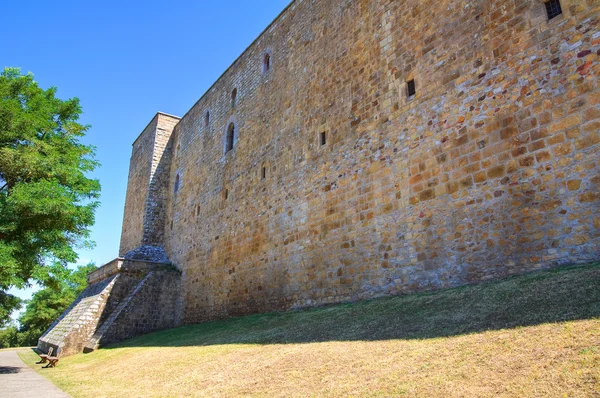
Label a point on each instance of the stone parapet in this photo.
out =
(105, 271)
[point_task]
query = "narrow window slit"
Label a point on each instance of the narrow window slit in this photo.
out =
(264, 173)
(323, 138)
(233, 97)
(411, 88)
(267, 63)
(230, 140)
(177, 182)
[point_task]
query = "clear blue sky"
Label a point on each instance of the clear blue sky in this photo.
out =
(126, 60)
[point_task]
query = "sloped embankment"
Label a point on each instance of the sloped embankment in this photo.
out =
(532, 335)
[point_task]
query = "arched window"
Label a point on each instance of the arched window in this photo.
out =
(233, 97)
(177, 182)
(266, 63)
(206, 118)
(230, 139)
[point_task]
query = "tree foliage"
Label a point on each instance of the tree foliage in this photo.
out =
(10, 336)
(8, 303)
(44, 307)
(47, 304)
(47, 202)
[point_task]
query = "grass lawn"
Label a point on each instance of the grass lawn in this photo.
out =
(536, 335)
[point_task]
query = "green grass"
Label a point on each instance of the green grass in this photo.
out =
(531, 335)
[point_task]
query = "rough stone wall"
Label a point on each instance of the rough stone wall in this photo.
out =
(491, 169)
(154, 306)
(72, 330)
(140, 164)
(154, 221)
(124, 299)
(143, 221)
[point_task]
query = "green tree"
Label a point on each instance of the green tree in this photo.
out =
(47, 203)
(8, 303)
(47, 304)
(9, 336)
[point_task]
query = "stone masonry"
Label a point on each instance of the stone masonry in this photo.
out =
(124, 298)
(490, 169)
(366, 148)
(148, 178)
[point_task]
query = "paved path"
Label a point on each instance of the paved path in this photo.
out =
(19, 380)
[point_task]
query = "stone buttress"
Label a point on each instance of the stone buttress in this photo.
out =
(125, 298)
(138, 292)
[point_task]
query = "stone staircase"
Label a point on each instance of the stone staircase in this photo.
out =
(78, 323)
(125, 298)
(94, 341)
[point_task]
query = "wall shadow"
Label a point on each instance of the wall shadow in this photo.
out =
(558, 295)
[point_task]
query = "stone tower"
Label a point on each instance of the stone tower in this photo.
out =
(138, 292)
(143, 223)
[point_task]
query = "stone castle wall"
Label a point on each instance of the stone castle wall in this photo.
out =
(491, 169)
(132, 232)
(143, 223)
(154, 222)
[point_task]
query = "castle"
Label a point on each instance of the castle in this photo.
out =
(359, 149)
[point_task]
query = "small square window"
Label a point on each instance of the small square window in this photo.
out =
(411, 89)
(323, 138)
(553, 9)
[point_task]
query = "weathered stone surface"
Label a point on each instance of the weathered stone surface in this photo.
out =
(148, 253)
(152, 304)
(79, 322)
(143, 224)
(125, 298)
(340, 187)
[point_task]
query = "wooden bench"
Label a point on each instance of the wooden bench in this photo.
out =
(52, 361)
(44, 357)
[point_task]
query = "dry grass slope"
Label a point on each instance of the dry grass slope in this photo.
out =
(532, 335)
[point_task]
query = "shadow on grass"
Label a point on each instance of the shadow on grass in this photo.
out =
(543, 297)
